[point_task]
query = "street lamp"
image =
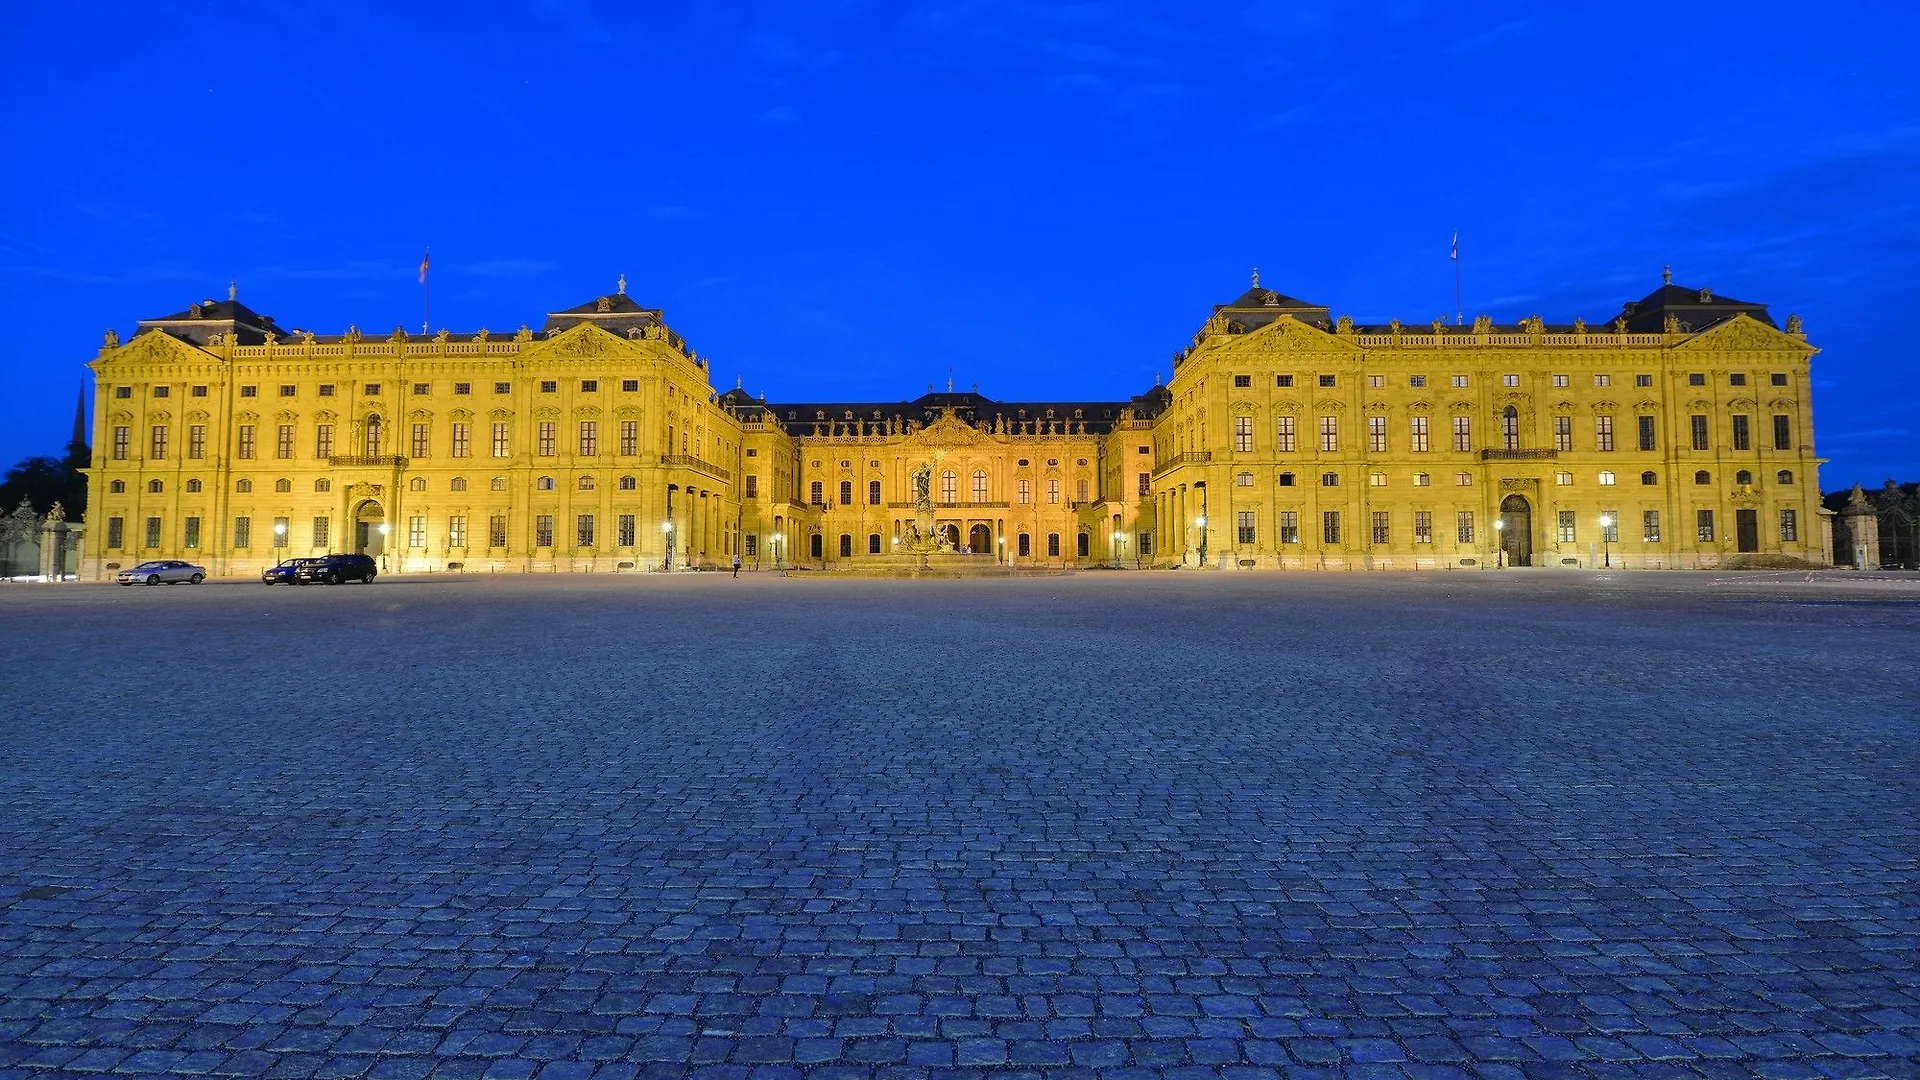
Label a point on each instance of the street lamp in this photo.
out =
(1119, 547)
(1201, 523)
(667, 528)
(1606, 540)
(1499, 544)
(279, 539)
(1003, 553)
(384, 530)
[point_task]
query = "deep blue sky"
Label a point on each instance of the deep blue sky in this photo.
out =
(843, 199)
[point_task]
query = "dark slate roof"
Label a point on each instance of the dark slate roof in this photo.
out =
(1258, 306)
(622, 313)
(1697, 310)
(799, 418)
(617, 303)
(215, 317)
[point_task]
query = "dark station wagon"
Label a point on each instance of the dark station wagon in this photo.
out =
(334, 569)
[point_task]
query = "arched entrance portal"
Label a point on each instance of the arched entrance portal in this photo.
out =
(369, 529)
(1516, 530)
(980, 540)
(950, 533)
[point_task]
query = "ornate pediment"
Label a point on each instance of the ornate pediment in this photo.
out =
(420, 415)
(1377, 407)
(1329, 405)
(1563, 406)
(946, 430)
(197, 416)
(1242, 407)
(286, 416)
(1286, 405)
(1779, 403)
(460, 415)
(501, 414)
(1744, 333)
(248, 417)
(587, 412)
(326, 416)
(1422, 406)
(546, 412)
(627, 412)
(582, 341)
(1741, 403)
(1460, 407)
(1604, 406)
(155, 346)
(1287, 334)
(1646, 405)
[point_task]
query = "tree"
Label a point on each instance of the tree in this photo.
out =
(44, 481)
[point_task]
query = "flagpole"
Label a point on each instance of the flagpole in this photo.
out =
(426, 295)
(1459, 312)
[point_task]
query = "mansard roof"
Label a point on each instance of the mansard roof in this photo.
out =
(1257, 307)
(1697, 309)
(199, 322)
(1094, 417)
(616, 313)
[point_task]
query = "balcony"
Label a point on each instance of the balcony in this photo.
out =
(1192, 457)
(362, 461)
(1491, 454)
(687, 461)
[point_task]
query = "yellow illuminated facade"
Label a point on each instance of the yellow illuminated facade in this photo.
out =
(1677, 435)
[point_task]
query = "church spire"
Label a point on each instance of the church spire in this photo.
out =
(80, 418)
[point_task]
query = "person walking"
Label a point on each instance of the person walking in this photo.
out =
(736, 564)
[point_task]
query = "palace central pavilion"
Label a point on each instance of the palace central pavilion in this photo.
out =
(1677, 433)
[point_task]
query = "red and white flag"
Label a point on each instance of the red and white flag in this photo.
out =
(423, 266)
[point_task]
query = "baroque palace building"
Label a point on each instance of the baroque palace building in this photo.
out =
(1677, 434)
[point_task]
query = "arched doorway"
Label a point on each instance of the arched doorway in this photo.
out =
(1516, 530)
(369, 529)
(980, 540)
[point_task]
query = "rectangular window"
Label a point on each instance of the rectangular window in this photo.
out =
(817, 493)
(1053, 491)
(1646, 432)
(545, 435)
(1782, 431)
(629, 528)
(321, 531)
(153, 532)
(192, 538)
(371, 389)
(543, 530)
(503, 388)
(1289, 526)
(629, 386)
(1243, 526)
(1375, 382)
(1283, 381)
(1243, 434)
(589, 386)
(1420, 435)
(1742, 432)
(200, 390)
(1284, 440)
(457, 531)
(116, 533)
(497, 531)
(249, 391)
(1377, 434)
(1463, 526)
(1329, 433)
(242, 532)
(1700, 438)
(1417, 381)
(979, 490)
(1243, 380)
(283, 441)
(1423, 526)
(753, 486)
(1025, 490)
(549, 386)
(1462, 434)
(1146, 485)
(1330, 527)
(417, 531)
(946, 490)
(421, 434)
(1703, 525)
(421, 389)
(629, 437)
(1778, 378)
(1603, 380)
(1610, 526)
(326, 389)
(1563, 433)
(461, 388)
(1053, 545)
(589, 438)
(1650, 526)
(123, 392)
(245, 452)
(1459, 382)
(1327, 380)
(158, 442)
(1643, 380)
(1789, 526)
(323, 440)
(1510, 380)
(1696, 378)
(1603, 433)
(197, 441)
(501, 441)
(122, 442)
(1737, 378)
(462, 439)
(1026, 545)
(1567, 526)
(583, 530)
(1560, 380)
(1382, 530)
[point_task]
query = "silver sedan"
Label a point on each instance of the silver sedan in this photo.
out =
(162, 572)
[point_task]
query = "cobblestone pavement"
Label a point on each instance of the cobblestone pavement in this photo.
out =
(1533, 824)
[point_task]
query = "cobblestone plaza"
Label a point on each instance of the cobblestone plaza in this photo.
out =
(1467, 824)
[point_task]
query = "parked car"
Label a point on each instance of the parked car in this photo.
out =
(334, 569)
(282, 573)
(162, 572)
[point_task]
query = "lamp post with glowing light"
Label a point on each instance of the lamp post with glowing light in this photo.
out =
(384, 530)
(279, 541)
(1499, 543)
(1606, 540)
(667, 528)
(1119, 548)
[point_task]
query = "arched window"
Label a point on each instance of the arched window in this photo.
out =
(979, 485)
(373, 436)
(949, 487)
(873, 543)
(418, 483)
(193, 486)
(818, 493)
(1244, 479)
(498, 483)
(116, 487)
(1702, 477)
(545, 483)
(1510, 428)
(846, 494)
(586, 483)
(1606, 479)
(1744, 478)
(322, 486)
(873, 493)
(629, 483)
(458, 483)
(846, 545)
(1784, 476)
(1649, 479)
(283, 485)
(243, 486)
(155, 487)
